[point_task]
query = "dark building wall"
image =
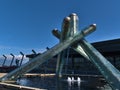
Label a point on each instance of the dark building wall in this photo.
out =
(79, 65)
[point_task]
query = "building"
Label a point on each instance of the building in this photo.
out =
(75, 63)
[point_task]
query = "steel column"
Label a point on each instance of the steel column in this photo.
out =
(111, 74)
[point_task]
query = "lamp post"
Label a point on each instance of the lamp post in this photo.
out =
(12, 59)
(4, 60)
(21, 58)
(34, 51)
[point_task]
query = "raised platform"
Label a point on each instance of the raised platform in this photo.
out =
(30, 75)
(6, 86)
(9, 85)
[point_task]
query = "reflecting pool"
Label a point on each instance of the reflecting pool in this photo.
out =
(65, 83)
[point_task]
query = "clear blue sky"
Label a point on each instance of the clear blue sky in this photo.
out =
(27, 24)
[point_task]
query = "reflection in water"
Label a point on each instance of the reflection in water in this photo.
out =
(79, 82)
(65, 83)
(71, 82)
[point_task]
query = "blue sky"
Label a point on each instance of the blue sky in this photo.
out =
(27, 24)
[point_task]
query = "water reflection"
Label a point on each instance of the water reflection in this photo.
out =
(71, 82)
(65, 83)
